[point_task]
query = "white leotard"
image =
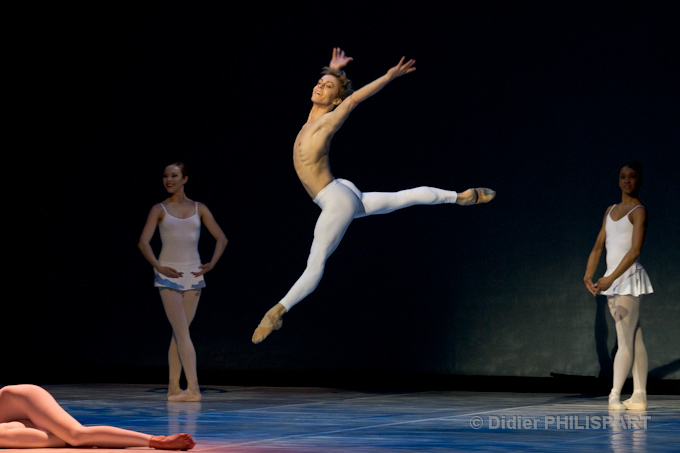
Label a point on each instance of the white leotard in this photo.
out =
(180, 251)
(180, 238)
(634, 281)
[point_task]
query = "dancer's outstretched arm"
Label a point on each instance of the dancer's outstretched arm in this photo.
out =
(338, 116)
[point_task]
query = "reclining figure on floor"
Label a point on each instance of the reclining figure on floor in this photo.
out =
(31, 418)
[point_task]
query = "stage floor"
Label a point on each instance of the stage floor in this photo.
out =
(274, 419)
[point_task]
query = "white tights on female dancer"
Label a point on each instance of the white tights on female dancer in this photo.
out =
(180, 308)
(31, 418)
(624, 284)
(631, 353)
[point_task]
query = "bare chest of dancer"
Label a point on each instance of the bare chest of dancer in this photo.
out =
(310, 157)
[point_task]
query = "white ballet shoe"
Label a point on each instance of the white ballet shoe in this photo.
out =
(615, 403)
(637, 401)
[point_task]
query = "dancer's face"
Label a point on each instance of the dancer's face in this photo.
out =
(629, 181)
(326, 91)
(173, 180)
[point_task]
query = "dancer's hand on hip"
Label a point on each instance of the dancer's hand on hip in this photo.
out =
(169, 272)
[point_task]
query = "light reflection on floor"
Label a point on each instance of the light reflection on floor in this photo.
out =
(272, 419)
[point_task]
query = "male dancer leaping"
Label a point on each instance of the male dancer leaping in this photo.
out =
(339, 199)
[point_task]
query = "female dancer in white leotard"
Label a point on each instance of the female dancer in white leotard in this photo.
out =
(179, 272)
(624, 283)
(31, 418)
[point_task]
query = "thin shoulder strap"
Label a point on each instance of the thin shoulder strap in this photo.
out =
(196, 204)
(163, 206)
(611, 209)
(638, 206)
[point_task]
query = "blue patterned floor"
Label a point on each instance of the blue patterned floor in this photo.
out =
(271, 419)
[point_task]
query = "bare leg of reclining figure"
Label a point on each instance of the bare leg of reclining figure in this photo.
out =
(31, 418)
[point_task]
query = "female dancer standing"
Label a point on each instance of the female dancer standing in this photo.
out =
(624, 283)
(31, 418)
(179, 272)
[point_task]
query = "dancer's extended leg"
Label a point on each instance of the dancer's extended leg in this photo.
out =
(190, 301)
(385, 202)
(626, 311)
(339, 206)
(51, 426)
(173, 302)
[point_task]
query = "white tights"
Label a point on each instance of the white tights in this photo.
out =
(341, 202)
(631, 353)
(180, 307)
(31, 418)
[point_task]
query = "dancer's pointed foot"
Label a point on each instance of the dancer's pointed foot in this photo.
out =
(637, 401)
(615, 403)
(181, 441)
(186, 396)
(270, 322)
(476, 196)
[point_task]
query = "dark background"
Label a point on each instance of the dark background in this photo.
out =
(542, 102)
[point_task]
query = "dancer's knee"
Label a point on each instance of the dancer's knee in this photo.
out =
(314, 271)
(625, 342)
(316, 262)
(24, 393)
(4, 427)
(23, 389)
(182, 337)
(625, 349)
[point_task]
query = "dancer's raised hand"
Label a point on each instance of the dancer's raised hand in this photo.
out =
(402, 68)
(339, 59)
